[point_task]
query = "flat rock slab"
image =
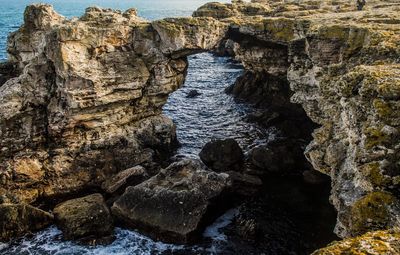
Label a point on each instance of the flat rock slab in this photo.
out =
(87, 218)
(132, 175)
(18, 219)
(174, 205)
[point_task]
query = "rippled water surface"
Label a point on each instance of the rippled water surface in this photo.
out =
(213, 113)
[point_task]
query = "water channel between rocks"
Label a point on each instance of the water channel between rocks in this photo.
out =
(298, 217)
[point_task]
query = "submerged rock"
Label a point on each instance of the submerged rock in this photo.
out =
(19, 219)
(222, 155)
(85, 219)
(174, 205)
(193, 93)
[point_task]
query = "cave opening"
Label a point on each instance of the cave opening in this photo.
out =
(290, 211)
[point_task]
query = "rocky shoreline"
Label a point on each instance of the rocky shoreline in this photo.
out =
(82, 99)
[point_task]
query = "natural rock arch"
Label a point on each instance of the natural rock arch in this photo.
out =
(93, 87)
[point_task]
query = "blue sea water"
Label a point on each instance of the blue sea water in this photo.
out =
(11, 11)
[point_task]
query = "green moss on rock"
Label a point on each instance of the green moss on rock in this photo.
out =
(375, 175)
(374, 137)
(371, 212)
(373, 243)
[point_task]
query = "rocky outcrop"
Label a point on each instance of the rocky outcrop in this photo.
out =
(342, 67)
(87, 219)
(176, 204)
(88, 101)
(17, 220)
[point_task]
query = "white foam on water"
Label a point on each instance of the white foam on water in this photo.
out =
(3, 246)
(214, 231)
(49, 241)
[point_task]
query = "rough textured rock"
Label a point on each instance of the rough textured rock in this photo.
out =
(87, 218)
(379, 242)
(222, 155)
(88, 102)
(342, 66)
(19, 219)
(174, 205)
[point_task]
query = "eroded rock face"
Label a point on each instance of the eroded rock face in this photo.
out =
(87, 219)
(342, 67)
(174, 205)
(88, 102)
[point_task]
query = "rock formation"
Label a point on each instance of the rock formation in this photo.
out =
(342, 67)
(86, 218)
(175, 205)
(83, 97)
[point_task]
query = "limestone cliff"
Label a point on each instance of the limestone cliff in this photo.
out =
(87, 102)
(343, 68)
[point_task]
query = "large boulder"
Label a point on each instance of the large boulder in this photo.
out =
(175, 205)
(18, 219)
(86, 219)
(222, 155)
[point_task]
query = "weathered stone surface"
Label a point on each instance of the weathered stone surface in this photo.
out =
(133, 176)
(379, 242)
(85, 218)
(87, 104)
(174, 205)
(222, 155)
(19, 219)
(342, 67)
